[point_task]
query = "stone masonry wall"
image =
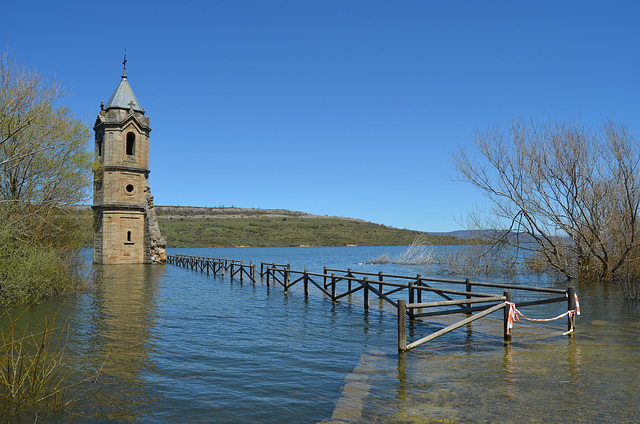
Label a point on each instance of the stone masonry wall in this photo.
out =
(123, 237)
(156, 242)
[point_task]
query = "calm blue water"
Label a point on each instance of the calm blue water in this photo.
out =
(180, 346)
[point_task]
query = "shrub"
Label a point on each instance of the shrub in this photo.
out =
(31, 273)
(35, 372)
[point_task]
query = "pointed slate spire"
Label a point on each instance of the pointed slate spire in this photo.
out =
(123, 97)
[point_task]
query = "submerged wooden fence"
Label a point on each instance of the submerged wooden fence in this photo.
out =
(403, 292)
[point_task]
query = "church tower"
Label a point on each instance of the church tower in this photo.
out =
(125, 226)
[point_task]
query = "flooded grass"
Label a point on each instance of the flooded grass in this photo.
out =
(37, 375)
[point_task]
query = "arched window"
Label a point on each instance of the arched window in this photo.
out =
(99, 143)
(131, 144)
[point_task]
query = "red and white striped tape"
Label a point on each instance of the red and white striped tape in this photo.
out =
(515, 314)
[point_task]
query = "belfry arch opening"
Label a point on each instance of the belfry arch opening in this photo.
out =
(131, 144)
(99, 144)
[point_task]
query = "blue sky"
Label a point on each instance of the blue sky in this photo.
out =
(347, 108)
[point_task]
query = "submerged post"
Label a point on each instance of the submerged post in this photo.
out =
(287, 279)
(467, 283)
(306, 283)
(365, 286)
(402, 326)
(507, 335)
(571, 306)
(411, 297)
(333, 286)
(325, 277)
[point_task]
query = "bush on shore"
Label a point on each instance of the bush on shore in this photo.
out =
(31, 273)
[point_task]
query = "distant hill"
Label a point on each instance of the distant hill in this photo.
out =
(463, 234)
(233, 212)
(486, 235)
(192, 226)
(189, 226)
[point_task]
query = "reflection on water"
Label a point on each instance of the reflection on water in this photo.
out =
(179, 346)
(121, 316)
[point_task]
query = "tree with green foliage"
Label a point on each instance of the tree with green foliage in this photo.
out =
(567, 195)
(45, 167)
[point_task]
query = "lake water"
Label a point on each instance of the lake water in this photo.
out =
(180, 346)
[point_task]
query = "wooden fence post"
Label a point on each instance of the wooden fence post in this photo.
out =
(333, 287)
(380, 278)
(306, 283)
(365, 285)
(287, 279)
(325, 277)
(467, 283)
(507, 335)
(418, 289)
(411, 298)
(402, 326)
(349, 281)
(571, 306)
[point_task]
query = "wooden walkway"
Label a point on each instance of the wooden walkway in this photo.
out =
(403, 292)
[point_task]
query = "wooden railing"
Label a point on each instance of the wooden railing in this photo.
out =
(403, 292)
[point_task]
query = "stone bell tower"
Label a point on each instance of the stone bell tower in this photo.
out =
(125, 226)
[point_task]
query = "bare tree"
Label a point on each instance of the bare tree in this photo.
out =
(45, 167)
(44, 159)
(566, 194)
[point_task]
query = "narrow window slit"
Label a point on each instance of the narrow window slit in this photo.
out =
(131, 144)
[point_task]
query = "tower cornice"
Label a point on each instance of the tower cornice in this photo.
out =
(126, 169)
(117, 207)
(111, 120)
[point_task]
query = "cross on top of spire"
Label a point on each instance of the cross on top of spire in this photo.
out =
(123, 97)
(124, 63)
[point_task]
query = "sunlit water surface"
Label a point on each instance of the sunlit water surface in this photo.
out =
(180, 346)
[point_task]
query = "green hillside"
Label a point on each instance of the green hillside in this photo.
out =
(186, 226)
(285, 231)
